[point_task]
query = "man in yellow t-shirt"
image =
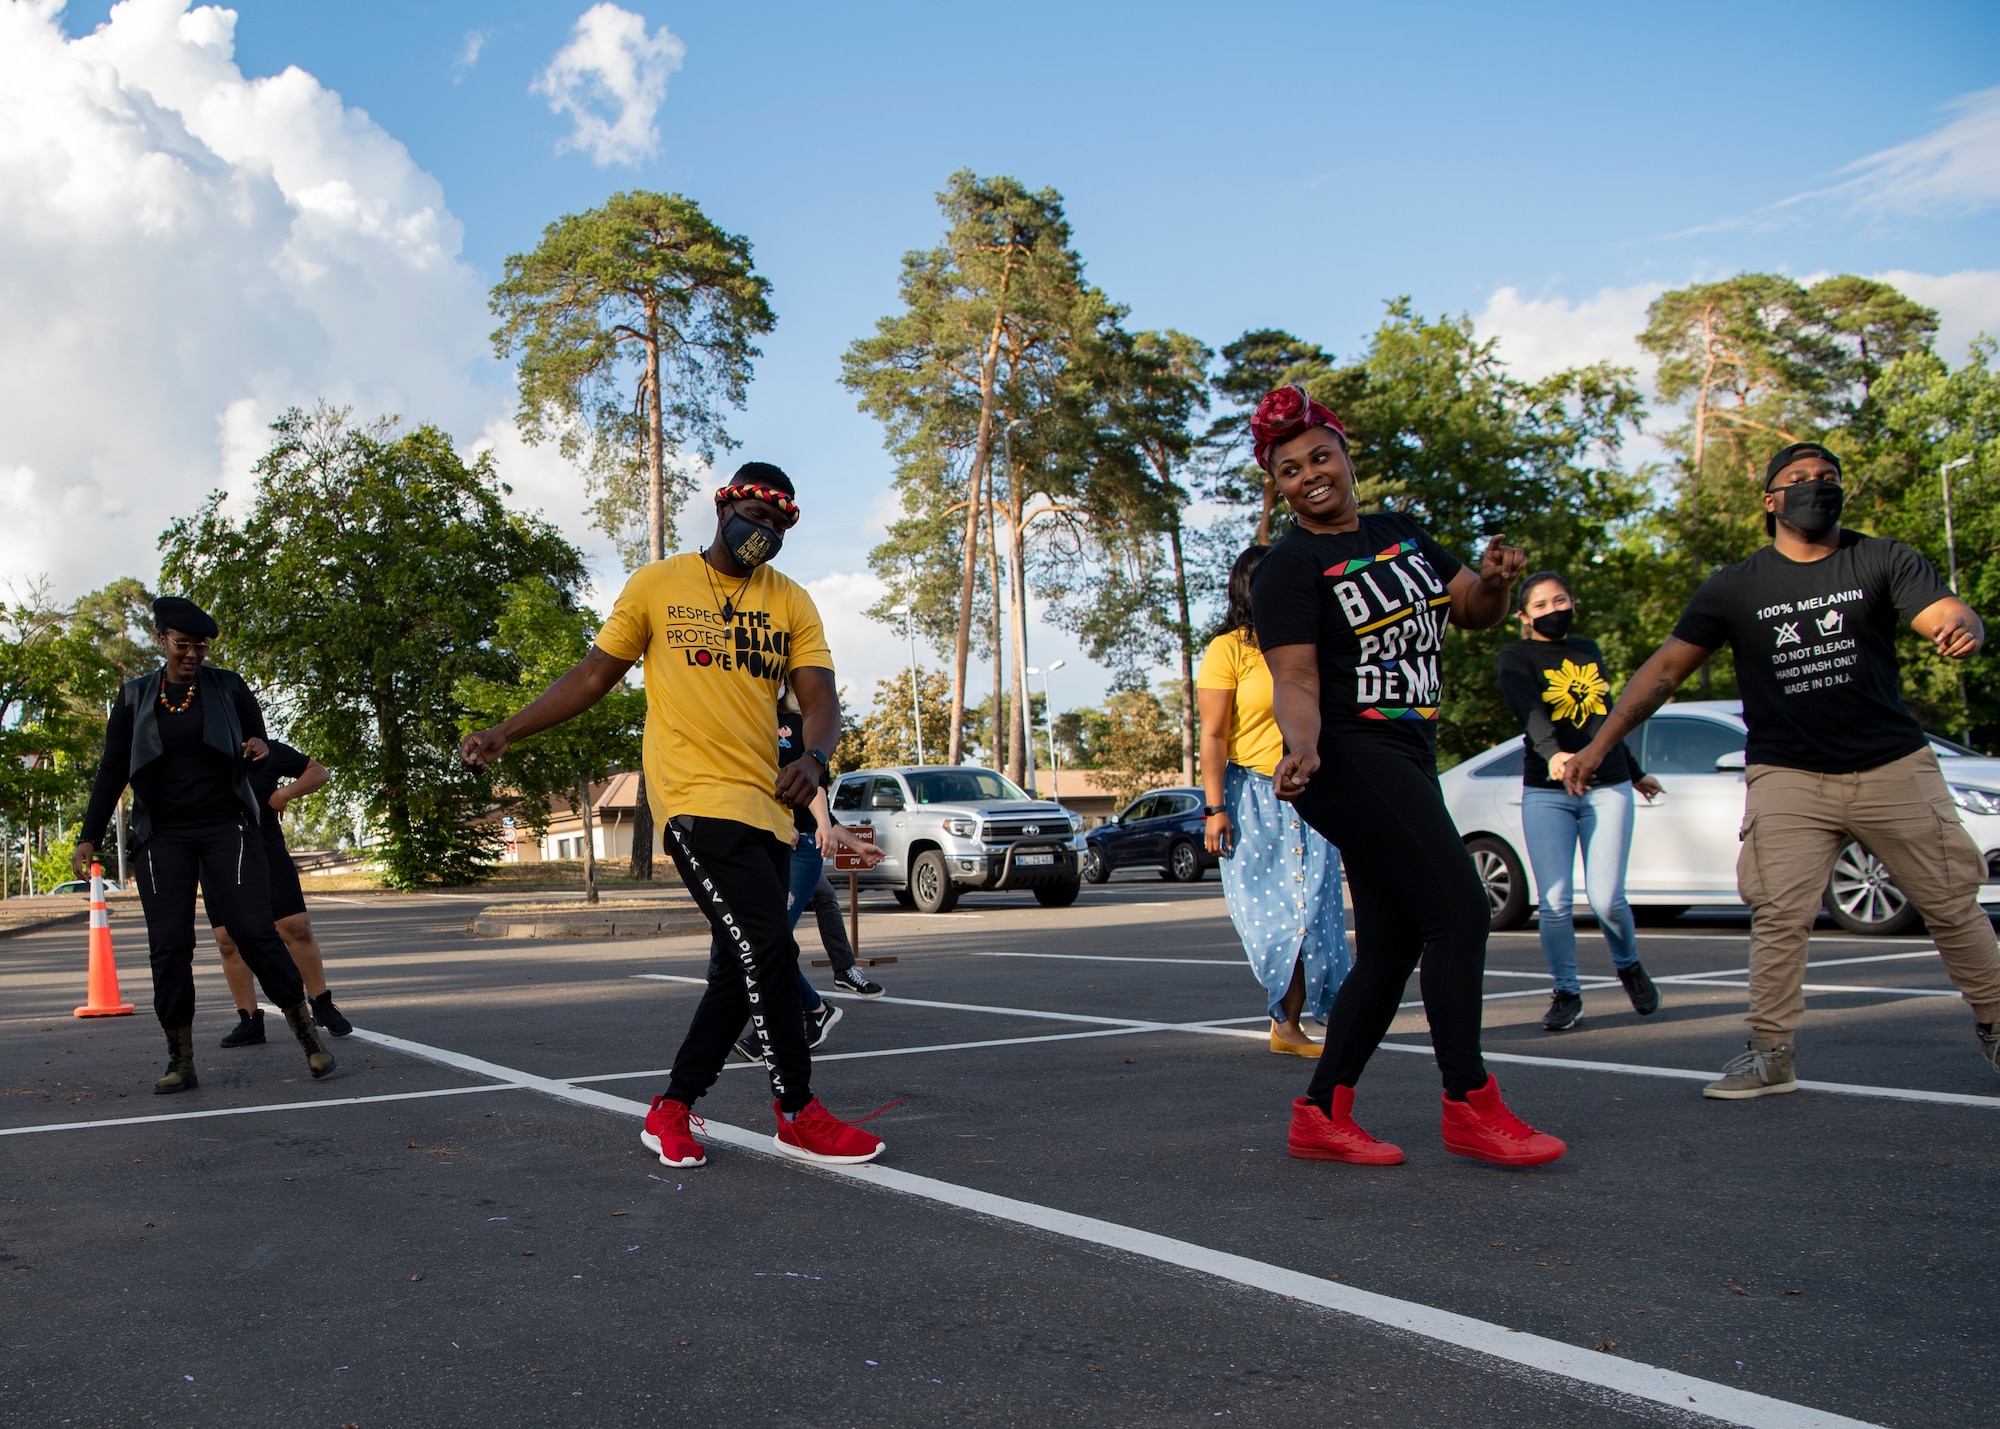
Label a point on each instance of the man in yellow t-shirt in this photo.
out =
(720, 633)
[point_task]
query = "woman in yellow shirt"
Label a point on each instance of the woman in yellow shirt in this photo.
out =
(1280, 878)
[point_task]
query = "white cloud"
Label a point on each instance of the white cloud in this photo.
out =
(610, 80)
(1540, 336)
(1967, 303)
(468, 54)
(1952, 170)
(187, 252)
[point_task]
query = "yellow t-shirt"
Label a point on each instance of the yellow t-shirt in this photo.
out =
(712, 685)
(1232, 663)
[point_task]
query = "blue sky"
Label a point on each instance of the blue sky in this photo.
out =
(1293, 171)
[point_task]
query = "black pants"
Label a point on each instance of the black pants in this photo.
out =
(741, 877)
(1416, 897)
(226, 860)
(832, 927)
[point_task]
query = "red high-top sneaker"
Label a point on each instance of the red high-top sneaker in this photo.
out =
(1481, 1127)
(667, 1134)
(1315, 1136)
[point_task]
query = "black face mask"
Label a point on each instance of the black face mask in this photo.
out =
(749, 543)
(1554, 624)
(1813, 506)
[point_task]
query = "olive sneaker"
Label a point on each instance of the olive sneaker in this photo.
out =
(1765, 1069)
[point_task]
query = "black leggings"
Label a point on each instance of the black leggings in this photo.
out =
(741, 878)
(1416, 896)
(227, 861)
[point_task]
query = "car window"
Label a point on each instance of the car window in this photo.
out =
(1139, 809)
(886, 793)
(1679, 744)
(1181, 804)
(1949, 748)
(852, 794)
(1507, 766)
(954, 786)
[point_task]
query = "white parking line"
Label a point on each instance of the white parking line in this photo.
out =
(250, 1110)
(1109, 958)
(1540, 1355)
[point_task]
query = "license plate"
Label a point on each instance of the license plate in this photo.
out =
(1036, 858)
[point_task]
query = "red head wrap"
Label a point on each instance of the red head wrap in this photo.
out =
(1282, 415)
(752, 491)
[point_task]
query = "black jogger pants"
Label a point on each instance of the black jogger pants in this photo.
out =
(225, 859)
(1416, 897)
(741, 878)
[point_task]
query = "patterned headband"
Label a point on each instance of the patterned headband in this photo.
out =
(1282, 415)
(750, 492)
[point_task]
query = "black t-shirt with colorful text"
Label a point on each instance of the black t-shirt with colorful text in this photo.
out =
(1373, 601)
(1815, 650)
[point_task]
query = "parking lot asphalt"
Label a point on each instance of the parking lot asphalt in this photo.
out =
(1085, 1212)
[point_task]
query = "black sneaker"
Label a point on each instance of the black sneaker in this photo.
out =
(855, 981)
(248, 1031)
(1989, 1043)
(747, 1046)
(329, 1016)
(1645, 996)
(1565, 1010)
(819, 1024)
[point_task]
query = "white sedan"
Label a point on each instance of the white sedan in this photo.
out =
(1684, 842)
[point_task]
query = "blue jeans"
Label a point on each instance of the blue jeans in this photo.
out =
(807, 865)
(1553, 822)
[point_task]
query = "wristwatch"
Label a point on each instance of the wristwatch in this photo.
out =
(1209, 811)
(825, 769)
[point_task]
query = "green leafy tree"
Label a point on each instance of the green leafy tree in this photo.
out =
(1141, 745)
(634, 324)
(886, 735)
(54, 687)
(362, 587)
(543, 632)
(990, 350)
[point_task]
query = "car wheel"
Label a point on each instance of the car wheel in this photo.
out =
(906, 898)
(1184, 863)
(931, 885)
(1094, 868)
(1505, 881)
(1656, 915)
(1861, 897)
(1058, 895)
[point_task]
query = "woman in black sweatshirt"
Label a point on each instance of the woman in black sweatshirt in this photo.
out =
(184, 738)
(1556, 684)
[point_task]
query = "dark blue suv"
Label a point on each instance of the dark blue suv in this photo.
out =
(1161, 830)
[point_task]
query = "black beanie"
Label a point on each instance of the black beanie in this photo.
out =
(173, 612)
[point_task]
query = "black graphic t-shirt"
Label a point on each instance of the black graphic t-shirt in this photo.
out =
(792, 746)
(1559, 691)
(1815, 650)
(1373, 601)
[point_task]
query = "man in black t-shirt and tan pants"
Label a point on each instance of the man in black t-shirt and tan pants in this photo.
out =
(1832, 753)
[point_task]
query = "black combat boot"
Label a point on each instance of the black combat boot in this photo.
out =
(248, 1031)
(180, 1063)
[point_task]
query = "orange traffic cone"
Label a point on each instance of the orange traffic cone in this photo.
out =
(103, 967)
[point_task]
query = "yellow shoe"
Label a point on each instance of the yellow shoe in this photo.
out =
(1308, 1048)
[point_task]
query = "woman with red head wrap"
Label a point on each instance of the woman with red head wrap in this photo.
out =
(1351, 610)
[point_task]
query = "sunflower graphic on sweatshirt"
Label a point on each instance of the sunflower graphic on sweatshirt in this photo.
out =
(1575, 692)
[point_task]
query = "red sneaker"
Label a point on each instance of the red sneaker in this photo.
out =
(1481, 1127)
(667, 1133)
(1315, 1136)
(816, 1134)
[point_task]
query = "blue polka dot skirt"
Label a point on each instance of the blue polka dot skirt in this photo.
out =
(1282, 885)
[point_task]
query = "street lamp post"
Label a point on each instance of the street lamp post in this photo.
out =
(1951, 564)
(1049, 726)
(1951, 546)
(916, 710)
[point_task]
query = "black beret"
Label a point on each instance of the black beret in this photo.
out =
(173, 612)
(1787, 455)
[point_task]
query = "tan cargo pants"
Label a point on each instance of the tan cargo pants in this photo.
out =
(1794, 823)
